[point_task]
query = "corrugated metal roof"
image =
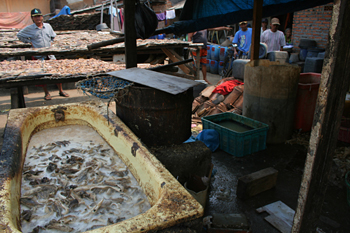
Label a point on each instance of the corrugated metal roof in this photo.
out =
(178, 5)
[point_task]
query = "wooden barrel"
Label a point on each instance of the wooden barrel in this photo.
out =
(156, 117)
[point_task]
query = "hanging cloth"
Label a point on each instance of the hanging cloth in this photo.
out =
(170, 14)
(161, 16)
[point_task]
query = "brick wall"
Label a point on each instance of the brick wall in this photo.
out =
(313, 24)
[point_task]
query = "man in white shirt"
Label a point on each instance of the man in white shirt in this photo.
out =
(40, 35)
(273, 38)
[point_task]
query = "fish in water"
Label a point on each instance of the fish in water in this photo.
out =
(54, 224)
(29, 202)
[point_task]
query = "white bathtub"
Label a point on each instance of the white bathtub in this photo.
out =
(171, 203)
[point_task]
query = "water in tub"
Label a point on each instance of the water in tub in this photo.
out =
(73, 181)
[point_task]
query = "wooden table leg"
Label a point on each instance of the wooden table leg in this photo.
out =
(17, 98)
(21, 101)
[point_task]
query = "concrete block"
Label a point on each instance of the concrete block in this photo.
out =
(256, 182)
(234, 221)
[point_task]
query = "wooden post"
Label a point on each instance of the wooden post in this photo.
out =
(112, 16)
(130, 34)
(257, 15)
(102, 7)
(330, 103)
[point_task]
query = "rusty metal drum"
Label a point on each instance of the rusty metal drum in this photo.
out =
(156, 117)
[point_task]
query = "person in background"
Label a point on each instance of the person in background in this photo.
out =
(273, 37)
(288, 35)
(264, 23)
(243, 39)
(201, 37)
(40, 35)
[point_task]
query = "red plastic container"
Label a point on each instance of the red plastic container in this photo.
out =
(306, 100)
(344, 130)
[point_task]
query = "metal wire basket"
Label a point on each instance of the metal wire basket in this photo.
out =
(105, 87)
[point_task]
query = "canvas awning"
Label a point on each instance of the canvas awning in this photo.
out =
(178, 5)
(15, 20)
(202, 14)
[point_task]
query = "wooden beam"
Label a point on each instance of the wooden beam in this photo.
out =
(130, 34)
(330, 103)
(174, 57)
(257, 15)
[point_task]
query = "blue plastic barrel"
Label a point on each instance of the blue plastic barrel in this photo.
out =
(303, 53)
(214, 67)
(209, 51)
(215, 50)
(208, 64)
(222, 53)
(221, 66)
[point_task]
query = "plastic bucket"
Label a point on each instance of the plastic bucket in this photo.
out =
(306, 100)
(222, 53)
(347, 176)
(215, 50)
(214, 65)
(209, 51)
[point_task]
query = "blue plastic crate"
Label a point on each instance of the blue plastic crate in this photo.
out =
(238, 143)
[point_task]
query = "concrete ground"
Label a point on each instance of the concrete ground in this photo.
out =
(287, 159)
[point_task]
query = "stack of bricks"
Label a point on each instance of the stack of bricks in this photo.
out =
(312, 24)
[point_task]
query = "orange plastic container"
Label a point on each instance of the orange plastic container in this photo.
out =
(306, 100)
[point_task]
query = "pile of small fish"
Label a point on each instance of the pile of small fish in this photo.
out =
(64, 39)
(60, 68)
(74, 187)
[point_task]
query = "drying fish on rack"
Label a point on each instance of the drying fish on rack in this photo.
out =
(59, 68)
(71, 185)
(77, 43)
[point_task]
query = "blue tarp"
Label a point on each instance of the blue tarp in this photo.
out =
(202, 14)
(65, 11)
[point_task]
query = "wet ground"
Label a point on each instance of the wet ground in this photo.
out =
(287, 159)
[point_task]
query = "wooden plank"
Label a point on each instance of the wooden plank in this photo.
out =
(281, 215)
(334, 84)
(208, 91)
(170, 65)
(256, 182)
(175, 59)
(181, 58)
(159, 59)
(257, 15)
(163, 82)
(130, 34)
(278, 224)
